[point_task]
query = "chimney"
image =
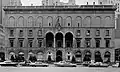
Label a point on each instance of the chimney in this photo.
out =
(31, 4)
(87, 3)
(100, 3)
(93, 3)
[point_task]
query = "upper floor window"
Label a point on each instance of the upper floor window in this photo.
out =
(78, 41)
(68, 24)
(107, 43)
(78, 32)
(97, 32)
(97, 43)
(21, 33)
(88, 33)
(107, 33)
(11, 32)
(30, 42)
(39, 32)
(87, 42)
(49, 24)
(21, 43)
(39, 43)
(30, 33)
(11, 43)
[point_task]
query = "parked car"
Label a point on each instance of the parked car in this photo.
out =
(98, 64)
(8, 63)
(115, 65)
(64, 64)
(25, 63)
(38, 64)
(86, 63)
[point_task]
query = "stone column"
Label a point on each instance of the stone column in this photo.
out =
(63, 42)
(54, 43)
(44, 42)
(74, 44)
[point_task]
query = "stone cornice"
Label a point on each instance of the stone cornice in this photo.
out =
(61, 8)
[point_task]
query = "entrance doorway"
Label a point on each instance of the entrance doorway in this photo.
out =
(58, 56)
(2, 56)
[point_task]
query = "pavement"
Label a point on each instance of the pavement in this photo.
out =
(58, 69)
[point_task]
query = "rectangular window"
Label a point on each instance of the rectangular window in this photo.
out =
(78, 43)
(68, 57)
(39, 43)
(97, 32)
(39, 32)
(97, 43)
(30, 33)
(30, 43)
(107, 33)
(88, 33)
(87, 42)
(11, 43)
(78, 32)
(21, 33)
(21, 43)
(107, 43)
(11, 32)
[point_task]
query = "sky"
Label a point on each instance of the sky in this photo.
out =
(38, 2)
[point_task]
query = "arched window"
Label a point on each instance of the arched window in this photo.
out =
(68, 22)
(59, 20)
(39, 21)
(108, 21)
(50, 21)
(97, 21)
(30, 22)
(11, 21)
(20, 22)
(87, 21)
(78, 22)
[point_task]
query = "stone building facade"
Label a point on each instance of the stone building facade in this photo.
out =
(58, 33)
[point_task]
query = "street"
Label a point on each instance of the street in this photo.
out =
(58, 69)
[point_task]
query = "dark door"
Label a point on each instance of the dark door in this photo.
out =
(2, 56)
(58, 56)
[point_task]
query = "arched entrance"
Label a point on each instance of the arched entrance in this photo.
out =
(59, 40)
(87, 56)
(2, 56)
(49, 39)
(78, 56)
(98, 57)
(107, 57)
(58, 56)
(69, 39)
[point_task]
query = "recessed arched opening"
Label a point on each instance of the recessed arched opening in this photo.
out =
(69, 39)
(58, 56)
(87, 56)
(2, 56)
(98, 57)
(21, 57)
(78, 56)
(107, 56)
(49, 39)
(59, 40)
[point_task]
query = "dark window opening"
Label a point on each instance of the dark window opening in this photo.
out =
(97, 32)
(88, 33)
(40, 43)
(88, 43)
(11, 43)
(21, 43)
(30, 32)
(107, 33)
(107, 43)
(78, 32)
(78, 43)
(30, 43)
(68, 24)
(11, 32)
(97, 43)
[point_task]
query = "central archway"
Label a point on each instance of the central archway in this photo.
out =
(98, 57)
(58, 56)
(59, 40)
(49, 39)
